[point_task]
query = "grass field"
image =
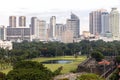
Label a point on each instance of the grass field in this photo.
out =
(6, 70)
(5, 67)
(66, 67)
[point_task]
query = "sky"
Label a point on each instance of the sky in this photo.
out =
(44, 9)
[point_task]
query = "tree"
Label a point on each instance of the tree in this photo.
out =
(64, 79)
(28, 70)
(2, 76)
(97, 55)
(115, 75)
(118, 59)
(85, 46)
(58, 71)
(89, 76)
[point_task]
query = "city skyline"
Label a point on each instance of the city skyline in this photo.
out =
(45, 9)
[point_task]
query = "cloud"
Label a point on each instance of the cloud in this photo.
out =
(44, 9)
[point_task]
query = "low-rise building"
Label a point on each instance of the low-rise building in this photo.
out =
(18, 33)
(6, 45)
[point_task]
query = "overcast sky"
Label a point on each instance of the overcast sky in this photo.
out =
(44, 9)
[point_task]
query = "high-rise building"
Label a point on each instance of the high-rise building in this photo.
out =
(42, 30)
(114, 23)
(73, 24)
(52, 27)
(12, 21)
(38, 29)
(2, 33)
(35, 25)
(95, 21)
(22, 21)
(104, 23)
(59, 31)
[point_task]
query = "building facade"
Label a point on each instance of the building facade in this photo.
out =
(18, 34)
(74, 25)
(105, 28)
(67, 36)
(22, 21)
(59, 31)
(2, 33)
(12, 21)
(52, 27)
(95, 21)
(42, 30)
(114, 23)
(35, 27)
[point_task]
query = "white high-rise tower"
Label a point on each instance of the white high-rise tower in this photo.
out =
(52, 27)
(114, 23)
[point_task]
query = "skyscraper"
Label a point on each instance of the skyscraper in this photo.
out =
(52, 27)
(114, 22)
(95, 21)
(22, 21)
(42, 30)
(59, 31)
(35, 27)
(12, 21)
(73, 24)
(105, 23)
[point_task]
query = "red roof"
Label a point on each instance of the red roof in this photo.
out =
(104, 62)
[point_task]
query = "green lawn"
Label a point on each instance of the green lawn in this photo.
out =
(6, 70)
(66, 67)
(5, 67)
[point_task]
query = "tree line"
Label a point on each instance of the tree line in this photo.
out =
(28, 50)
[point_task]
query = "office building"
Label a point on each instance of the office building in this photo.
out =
(22, 21)
(12, 21)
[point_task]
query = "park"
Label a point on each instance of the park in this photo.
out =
(67, 67)
(54, 51)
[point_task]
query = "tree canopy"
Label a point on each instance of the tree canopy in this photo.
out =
(28, 70)
(97, 55)
(89, 76)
